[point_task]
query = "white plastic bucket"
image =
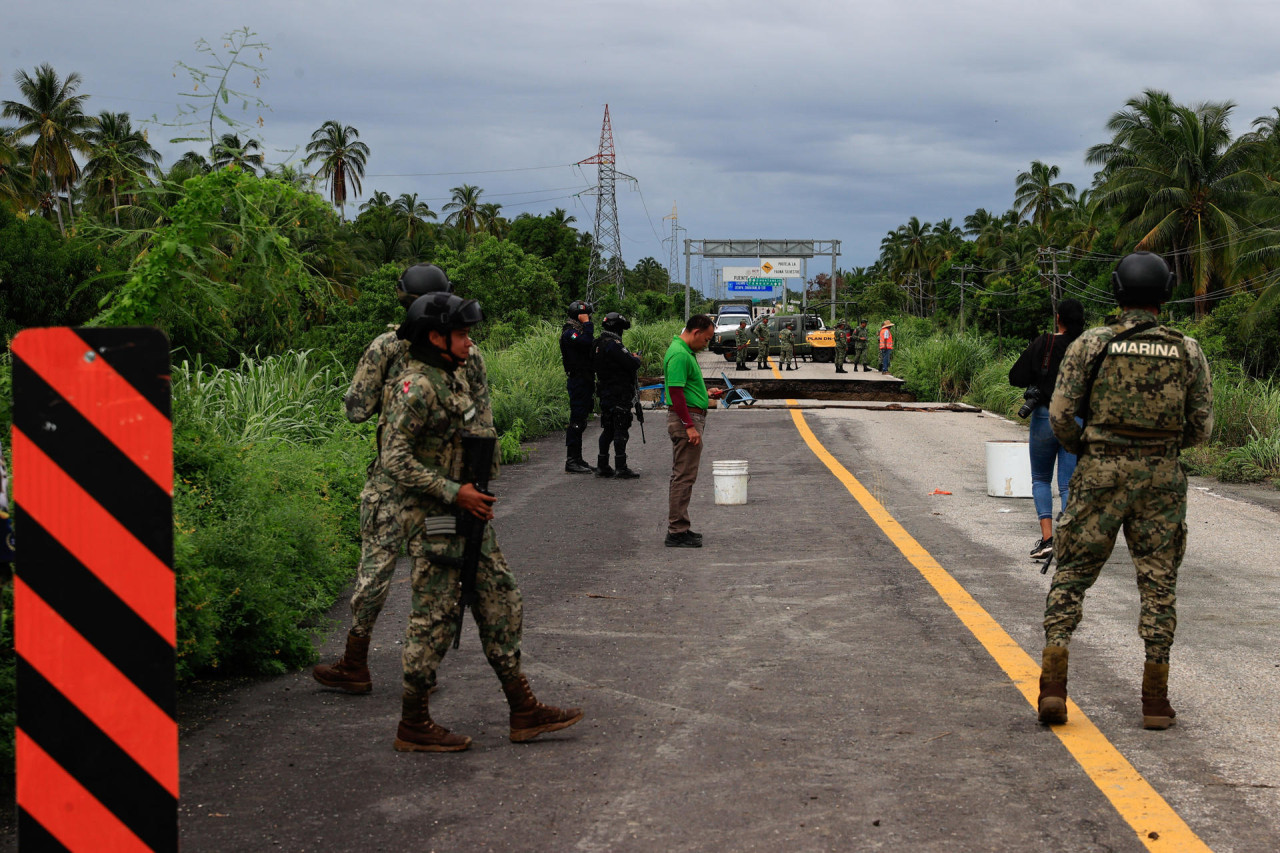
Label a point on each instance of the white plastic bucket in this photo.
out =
(731, 481)
(1008, 469)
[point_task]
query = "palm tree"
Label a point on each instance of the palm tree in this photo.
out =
(377, 200)
(562, 217)
(342, 159)
(229, 150)
(491, 220)
(54, 115)
(465, 208)
(122, 158)
(1182, 186)
(293, 176)
(14, 185)
(1037, 194)
(413, 211)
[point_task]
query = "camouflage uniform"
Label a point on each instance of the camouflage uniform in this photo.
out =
(425, 410)
(388, 513)
(842, 345)
(741, 339)
(761, 331)
(859, 357)
(1152, 397)
(786, 341)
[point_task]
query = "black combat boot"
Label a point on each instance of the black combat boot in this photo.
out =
(625, 473)
(575, 464)
(529, 717)
(602, 466)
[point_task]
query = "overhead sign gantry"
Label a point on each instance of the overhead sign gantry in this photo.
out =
(781, 250)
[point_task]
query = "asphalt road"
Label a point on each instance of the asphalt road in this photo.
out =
(795, 685)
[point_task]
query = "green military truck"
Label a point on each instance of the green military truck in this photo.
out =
(813, 339)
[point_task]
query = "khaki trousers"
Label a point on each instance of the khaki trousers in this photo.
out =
(684, 467)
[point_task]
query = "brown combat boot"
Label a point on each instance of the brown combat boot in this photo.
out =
(1157, 713)
(351, 672)
(418, 733)
(1052, 705)
(529, 717)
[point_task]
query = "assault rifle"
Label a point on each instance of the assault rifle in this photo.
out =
(477, 460)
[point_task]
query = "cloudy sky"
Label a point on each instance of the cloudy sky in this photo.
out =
(797, 120)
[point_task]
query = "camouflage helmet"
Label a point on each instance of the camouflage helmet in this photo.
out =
(438, 312)
(1142, 278)
(420, 279)
(616, 323)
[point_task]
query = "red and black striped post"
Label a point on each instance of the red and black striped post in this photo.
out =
(94, 612)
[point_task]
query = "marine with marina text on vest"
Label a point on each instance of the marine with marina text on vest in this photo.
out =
(1143, 392)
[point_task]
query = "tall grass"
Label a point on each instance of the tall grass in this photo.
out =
(942, 368)
(527, 383)
(292, 398)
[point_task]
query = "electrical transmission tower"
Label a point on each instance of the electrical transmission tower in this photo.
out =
(675, 252)
(607, 237)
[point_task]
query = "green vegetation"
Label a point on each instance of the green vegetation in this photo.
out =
(269, 294)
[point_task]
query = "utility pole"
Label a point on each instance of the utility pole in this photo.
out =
(607, 239)
(963, 270)
(1053, 291)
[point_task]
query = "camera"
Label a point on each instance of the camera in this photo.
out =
(1034, 398)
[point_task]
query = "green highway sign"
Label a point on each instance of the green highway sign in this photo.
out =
(765, 282)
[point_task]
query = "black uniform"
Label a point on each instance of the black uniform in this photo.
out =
(576, 341)
(616, 368)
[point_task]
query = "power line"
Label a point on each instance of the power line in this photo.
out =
(471, 172)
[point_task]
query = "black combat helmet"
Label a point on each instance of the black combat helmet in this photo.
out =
(424, 278)
(1142, 278)
(616, 323)
(579, 307)
(438, 312)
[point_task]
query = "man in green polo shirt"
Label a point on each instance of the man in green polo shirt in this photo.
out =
(686, 421)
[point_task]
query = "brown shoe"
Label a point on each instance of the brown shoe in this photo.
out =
(1157, 713)
(351, 672)
(1052, 705)
(529, 717)
(418, 733)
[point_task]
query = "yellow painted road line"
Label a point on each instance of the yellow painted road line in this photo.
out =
(1158, 826)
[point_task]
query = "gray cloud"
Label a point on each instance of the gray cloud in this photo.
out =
(808, 119)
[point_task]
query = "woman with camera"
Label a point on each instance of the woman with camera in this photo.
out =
(1037, 371)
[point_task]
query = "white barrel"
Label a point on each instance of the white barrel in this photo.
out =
(731, 481)
(1008, 469)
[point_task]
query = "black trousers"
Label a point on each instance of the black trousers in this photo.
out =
(580, 404)
(615, 428)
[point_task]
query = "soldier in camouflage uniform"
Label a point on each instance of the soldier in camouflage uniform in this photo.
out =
(842, 345)
(742, 338)
(786, 341)
(761, 332)
(385, 514)
(859, 340)
(425, 410)
(1149, 397)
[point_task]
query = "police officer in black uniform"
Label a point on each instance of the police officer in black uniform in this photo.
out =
(576, 344)
(616, 368)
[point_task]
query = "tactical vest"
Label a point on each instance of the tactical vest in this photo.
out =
(1141, 388)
